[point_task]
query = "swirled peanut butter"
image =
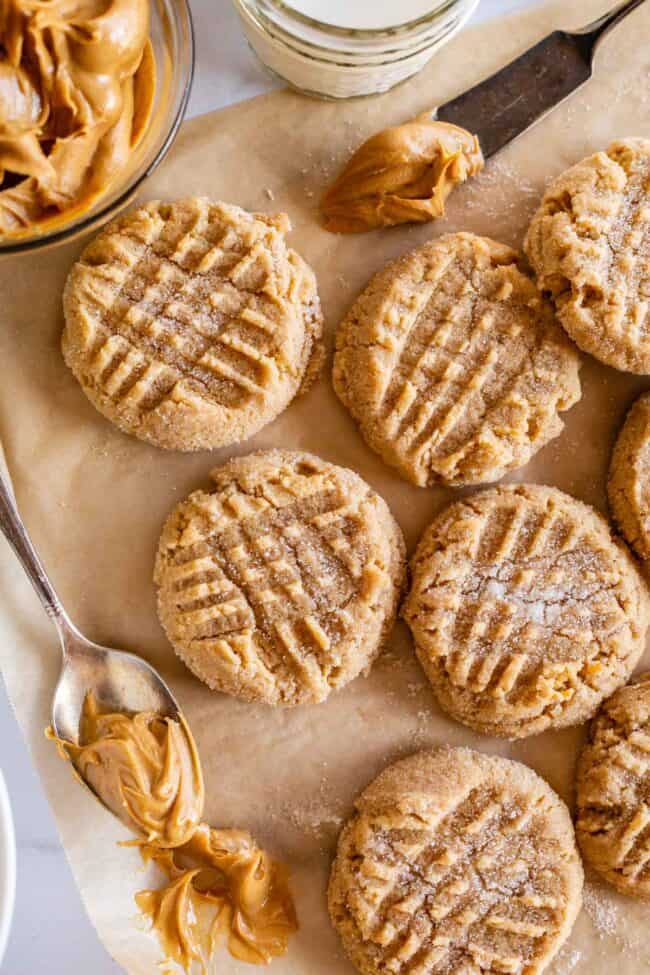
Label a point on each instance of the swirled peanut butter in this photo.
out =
(145, 768)
(76, 87)
(403, 174)
(222, 887)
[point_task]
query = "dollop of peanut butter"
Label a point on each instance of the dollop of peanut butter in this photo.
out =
(222, 887)
(145, 768)
(77, 80)
(403, 174)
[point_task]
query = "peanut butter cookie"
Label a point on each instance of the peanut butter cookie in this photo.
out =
(191, 324)
(613, 791)
(456, 863)
(629, 477)
(589, 244)
(453, 365)
(281, 583)
(525, 610)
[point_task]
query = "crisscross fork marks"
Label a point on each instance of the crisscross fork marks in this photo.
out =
(191, 325)
(518, 608)
(155, 311)
(294, 589)
(589, 244)
(453, 365)
(455, 862)
(628, 256)
(440, 885)
(298, 562)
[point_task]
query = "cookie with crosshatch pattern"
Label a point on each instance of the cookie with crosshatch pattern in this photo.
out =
(191, 324)
(589, 244)
(613, 791)
(457, 863)
(526, 611)
(281, 583)
(453, 364)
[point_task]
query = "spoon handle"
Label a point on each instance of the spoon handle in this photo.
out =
(13, 529)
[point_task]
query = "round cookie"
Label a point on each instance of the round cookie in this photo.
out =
(281, 583)
(628, 487)
(457, 863)
(613, 791)
(453, 365)
(526, 612)
(589, 244)
(191, 324)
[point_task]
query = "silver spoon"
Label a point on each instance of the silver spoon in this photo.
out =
(120, 681)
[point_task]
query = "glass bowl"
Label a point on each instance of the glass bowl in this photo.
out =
(172, 40)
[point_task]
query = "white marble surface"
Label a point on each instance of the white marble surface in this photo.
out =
(51, 931)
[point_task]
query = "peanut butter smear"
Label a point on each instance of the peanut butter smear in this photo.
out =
(222, 888)
(77, 81)
(403, 174)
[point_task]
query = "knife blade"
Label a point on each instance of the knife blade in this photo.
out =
(503, 106)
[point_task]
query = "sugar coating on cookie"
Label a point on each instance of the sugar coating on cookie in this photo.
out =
(191, 324)
(589, 244)
(628, 487)
(457, 863)
(526, 612)
(281, 583)
(453, 365)
(613, 791)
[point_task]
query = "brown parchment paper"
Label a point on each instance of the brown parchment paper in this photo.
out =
(94, 499)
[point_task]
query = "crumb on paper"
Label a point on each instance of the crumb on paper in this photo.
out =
(316, 817)
(566, 961)
(602, 912)
(268, 192)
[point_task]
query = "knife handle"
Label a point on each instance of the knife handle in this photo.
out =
(504, 105)
(593, 33)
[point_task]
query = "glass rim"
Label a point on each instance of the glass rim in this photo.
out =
(366, 33)
(351, 59)
(85, 223)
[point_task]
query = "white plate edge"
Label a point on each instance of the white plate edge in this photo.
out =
(7, 866)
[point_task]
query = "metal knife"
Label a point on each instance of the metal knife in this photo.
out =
(510, 101)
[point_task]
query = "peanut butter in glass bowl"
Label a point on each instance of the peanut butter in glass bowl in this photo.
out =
(92, 93)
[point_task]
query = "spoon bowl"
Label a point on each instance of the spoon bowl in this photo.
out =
(119, 681)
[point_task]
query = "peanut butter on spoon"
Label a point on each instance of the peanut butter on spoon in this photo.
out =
(145, 768)
(221, 885)
(403, 174)
(77, 82)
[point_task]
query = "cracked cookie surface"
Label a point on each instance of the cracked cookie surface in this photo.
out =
(613, 791)
(457, 863)
(589, 244)
(282, 582)
(525, 610)
(453, 364)
(191, 324)
(628, 487)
